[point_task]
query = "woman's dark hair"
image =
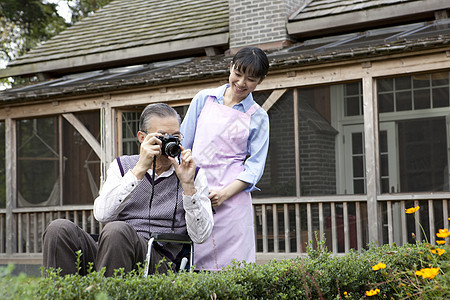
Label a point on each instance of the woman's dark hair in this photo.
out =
(161, 110)
(252, 61)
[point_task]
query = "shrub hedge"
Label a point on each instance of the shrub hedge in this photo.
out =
(319, 275)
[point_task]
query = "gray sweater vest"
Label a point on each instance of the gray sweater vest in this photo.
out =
(166, 211)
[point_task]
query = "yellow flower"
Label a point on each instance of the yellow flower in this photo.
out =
(412, 210)
(378, 267)
(372, 292)
(440, 242)
(438, 251)
(427, 273)
(443, 233)
(346, 294)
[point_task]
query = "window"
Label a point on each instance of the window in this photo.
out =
(130, 127)
(407, 93)
(38, 162)
(55, 164)
(413, 116)
(353, 102)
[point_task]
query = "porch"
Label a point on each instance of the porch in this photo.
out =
(283, 226)
(353, 143)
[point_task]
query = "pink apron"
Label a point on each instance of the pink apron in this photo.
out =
(220, 148)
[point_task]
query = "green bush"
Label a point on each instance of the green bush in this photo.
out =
(320, 275)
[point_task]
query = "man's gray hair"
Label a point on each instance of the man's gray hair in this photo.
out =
(161, 110)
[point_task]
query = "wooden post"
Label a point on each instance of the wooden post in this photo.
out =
(372, 151)
(108, 146)
(60, 160)
(11, 187)
(296, 144)
(110, 133)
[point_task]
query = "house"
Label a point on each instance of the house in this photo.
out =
(358, 96)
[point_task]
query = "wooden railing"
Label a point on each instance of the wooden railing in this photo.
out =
(432, 216)
(29, 224)
(284, 227)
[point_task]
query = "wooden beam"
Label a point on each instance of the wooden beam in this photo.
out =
(90, 139)
(212, 51)
(296, 143)
(178, 95)
(108, 135)
(118, 125)
(11, 186)
(273, 98)
(61, 160)
(371, 158)
(21, 258)
(350, 71)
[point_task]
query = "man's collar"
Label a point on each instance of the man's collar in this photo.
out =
(163, 174)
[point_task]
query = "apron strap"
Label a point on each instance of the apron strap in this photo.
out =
(252, 109)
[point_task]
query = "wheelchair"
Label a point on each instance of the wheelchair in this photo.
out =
(185, 258)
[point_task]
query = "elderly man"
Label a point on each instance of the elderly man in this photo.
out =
(149, 192)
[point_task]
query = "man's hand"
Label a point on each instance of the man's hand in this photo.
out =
(185, 171)
(150, 148)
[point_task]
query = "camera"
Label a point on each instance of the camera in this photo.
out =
(170, 145)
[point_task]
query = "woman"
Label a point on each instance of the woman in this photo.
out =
(229, 136)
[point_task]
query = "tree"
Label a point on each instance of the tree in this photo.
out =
(25, 23)
(82, 8)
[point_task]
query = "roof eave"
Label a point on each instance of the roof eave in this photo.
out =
(279, 63)
(117, 57)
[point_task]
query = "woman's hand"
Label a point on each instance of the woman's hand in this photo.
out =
(218, 197)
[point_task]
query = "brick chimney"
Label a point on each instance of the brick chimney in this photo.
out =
(260, 23)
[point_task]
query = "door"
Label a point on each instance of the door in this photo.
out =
(355, 164)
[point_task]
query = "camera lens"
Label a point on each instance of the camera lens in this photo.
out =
(172, 149)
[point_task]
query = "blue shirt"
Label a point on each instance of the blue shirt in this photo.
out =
(258, 139)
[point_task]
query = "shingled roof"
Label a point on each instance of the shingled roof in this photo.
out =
(130, 30)
(324, 16)
(320, 8)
